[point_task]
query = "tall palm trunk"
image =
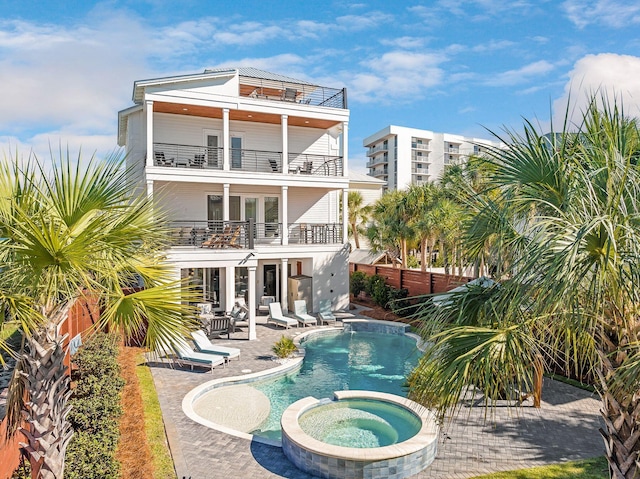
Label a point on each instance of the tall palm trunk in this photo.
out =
(423, 254)
(356, 237)
(47, 384)
(620, 411)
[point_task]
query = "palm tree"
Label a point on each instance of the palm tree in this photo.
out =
(358, 215)
(391, 228)
(567, 211)
(68, 233)
(421, 198)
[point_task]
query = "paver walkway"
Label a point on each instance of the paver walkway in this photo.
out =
(565, 428)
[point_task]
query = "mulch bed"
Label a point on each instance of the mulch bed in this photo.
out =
(133, 450)
(375, 311)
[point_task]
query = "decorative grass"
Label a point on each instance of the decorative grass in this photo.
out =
(153, 423)
(595, 468)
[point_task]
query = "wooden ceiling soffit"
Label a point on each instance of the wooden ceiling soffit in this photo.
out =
(239, 115)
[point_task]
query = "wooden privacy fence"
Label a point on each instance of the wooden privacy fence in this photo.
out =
(81, 318)
(416, 282)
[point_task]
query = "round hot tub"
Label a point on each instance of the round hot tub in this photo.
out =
(359, 434)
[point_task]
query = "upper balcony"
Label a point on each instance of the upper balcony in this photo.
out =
(223, 235)
(255, 161)
(420, 146)
(377, 149)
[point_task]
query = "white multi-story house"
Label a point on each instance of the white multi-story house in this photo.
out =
(404, 156)
(252, 169)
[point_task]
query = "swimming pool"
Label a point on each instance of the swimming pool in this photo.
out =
(340, 361)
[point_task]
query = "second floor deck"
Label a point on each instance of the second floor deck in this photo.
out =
(247, 234)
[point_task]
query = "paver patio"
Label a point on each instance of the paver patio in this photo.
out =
(564, 428)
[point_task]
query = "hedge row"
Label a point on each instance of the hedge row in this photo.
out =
(381, 293)
(95, 410)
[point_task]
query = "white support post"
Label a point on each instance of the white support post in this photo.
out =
(148, 105)
(225, 139)
(284, 288)
(285, 215)
(230, 290)
(252, 302)
(150, 189)
(345, 215)
(225, 202)
(345, 148)
(285, 143)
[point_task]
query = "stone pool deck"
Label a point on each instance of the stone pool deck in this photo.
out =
(565, 428)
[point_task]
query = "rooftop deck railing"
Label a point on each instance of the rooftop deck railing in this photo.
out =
(246, 234)
(259, 161)
(311, 95)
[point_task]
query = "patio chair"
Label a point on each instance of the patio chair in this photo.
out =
(161, 160)
(263, 307)
(186, 356)
(274, 165)
(325, 314)
(205, 346)
(239, 316)
(197, 162)
(300, 313)
(290, 94)
(276, 316)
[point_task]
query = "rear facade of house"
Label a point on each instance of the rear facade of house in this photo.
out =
(252, 169)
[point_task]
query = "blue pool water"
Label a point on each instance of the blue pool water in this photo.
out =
(360, 423)
(340, 361)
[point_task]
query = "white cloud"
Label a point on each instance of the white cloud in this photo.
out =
(520, 75)
(249, 33)
(404, 43)
(395, 75)
(608, 74)
(610, 13)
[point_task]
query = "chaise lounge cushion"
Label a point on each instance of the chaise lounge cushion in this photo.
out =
(205, 346)
(276, 316)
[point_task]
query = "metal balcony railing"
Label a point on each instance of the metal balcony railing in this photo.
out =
(322, 165)
(246, 234)
(315, 233)
(187, 156)
(257, 161)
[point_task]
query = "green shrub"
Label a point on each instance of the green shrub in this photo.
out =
(357, 282)
(284, 347)
(95, 410)
(397, 300)
(378, 290)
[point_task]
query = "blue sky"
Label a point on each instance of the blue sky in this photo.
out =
(457, 66)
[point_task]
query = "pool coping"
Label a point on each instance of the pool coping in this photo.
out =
(289, 366)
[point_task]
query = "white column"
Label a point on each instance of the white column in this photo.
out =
(284, 288)
(148, 105)
(230, 290)
(285, 144)
(284, 217)
(225, 139)
(252, 302)
(345, 148)
(225, 202)
(149, 189)
(345, 216)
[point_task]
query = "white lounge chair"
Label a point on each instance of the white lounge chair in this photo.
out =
(301, 314)
(325, 314)
(276, 316)
(205, 346)
(188, 357)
